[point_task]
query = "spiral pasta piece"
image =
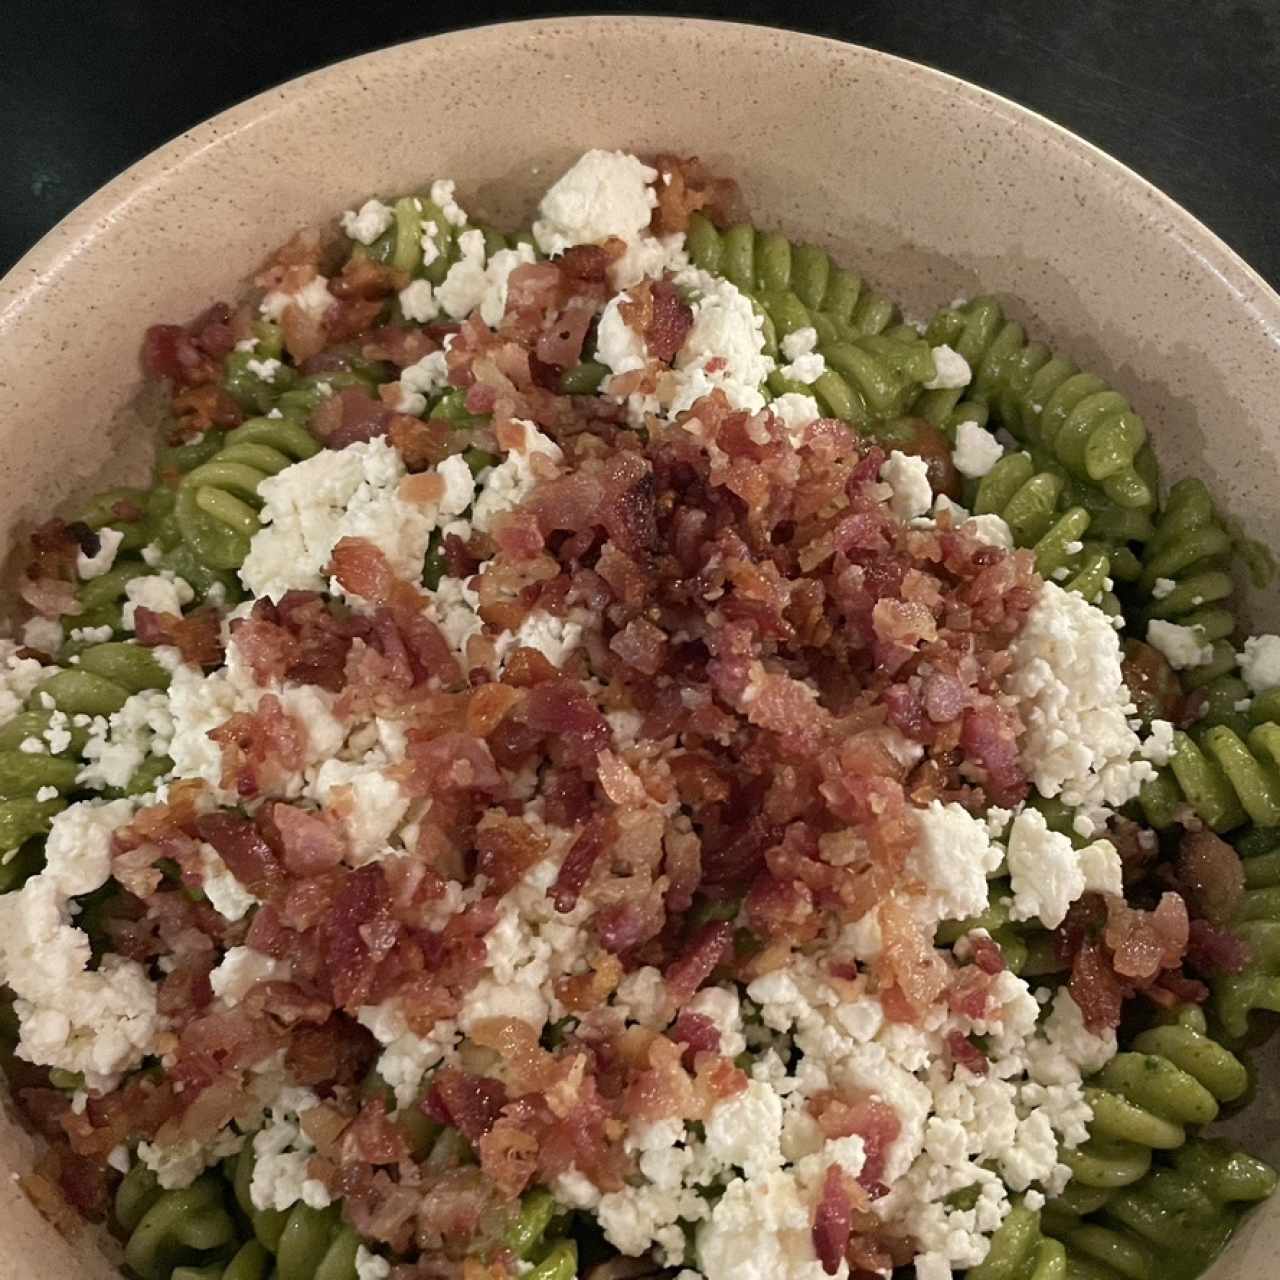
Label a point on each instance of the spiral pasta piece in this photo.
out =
(1224, 778)
(1021, 1251)
(217, 503)
(1028, 501)
(1043, 399)
(1174, 1075)
(875, 367)
(174, 1228)
(1170, 1224)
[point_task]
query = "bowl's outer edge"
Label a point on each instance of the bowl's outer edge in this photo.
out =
(933, 186)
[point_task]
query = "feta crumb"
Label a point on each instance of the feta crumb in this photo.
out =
(1163, 587)
(369, 223)
(264, 369)
(606, 193)
(951, 370)
(418, 301)
(96, 565)
(976, 451)
(1260, 662)
(1158, 746)
(1184, 647)
(797, 412)
(44, 634)
(160, 592)
(908, 477)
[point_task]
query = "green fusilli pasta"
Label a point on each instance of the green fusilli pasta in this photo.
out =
(217, 503)
(1173, 1075)
(1170, 1224)
(1021, 1251)
(1045, 401)
(170, 1229)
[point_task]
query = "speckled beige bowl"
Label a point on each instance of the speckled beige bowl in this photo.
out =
(929, 186)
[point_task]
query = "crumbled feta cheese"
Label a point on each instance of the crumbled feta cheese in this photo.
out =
(443, 191)
(952, 856)
(1260, 662)
(117, 747)
(241, 969)
(1184, 647)
(179, 1164)
(421, 379)
(511, 481)
(338, 493)
(606, 193)
(418, 301)
(474, 284)
(96, 565)
(724, 348)
(908, 477)
(160, 592)
(1163, 587)
(100, 1021)
(1047, 873)
(805, 362)
(369, 223)
(1158, 747)
(951, 370)
(44, 634)
(976, 451)
(282, 1153)
(371, 1266)
(264, 369)
(797, 412)
(618, 346)
(720, 1005)
(555, 638)
(372, 804)
(407, 1056)
(648, 258)
(313, 300)
(18, 677)
(1069, 685)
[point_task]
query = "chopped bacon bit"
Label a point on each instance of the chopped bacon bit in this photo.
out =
(470, 1103)
(1215, 951)
(832, 1220)
(249, 857)
(988, 956)
(697, 962)
(197, 636)
(964, 1053)
(1095, 987)
(1144, 942)
(684, 186)
(1210, 876)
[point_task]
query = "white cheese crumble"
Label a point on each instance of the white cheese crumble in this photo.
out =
(96, 565)
(512, 480)
(951, 370)
(618, 345)
(366, 225)
(1158, 747)
(724, 348)
(908, 477)
(806, 363)
(371, 1266)
(472, 284)
(418, 301)
(1184, 647)
(160, 592)
(179, 1164)
(241, 969)
(1067, 679)
(1260, 662)
(797, 412)
(553, 637)
(99, 1021)
(1047, 873)
(118, 746)
(338, 493)
(976, 451)
(421, 379)
(282, 1153)
(313, 299)
(604, 194)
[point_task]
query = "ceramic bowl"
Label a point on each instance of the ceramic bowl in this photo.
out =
(929, 186)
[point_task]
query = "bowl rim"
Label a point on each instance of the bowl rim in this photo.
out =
(31, 276)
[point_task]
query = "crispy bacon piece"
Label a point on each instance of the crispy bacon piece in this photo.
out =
(708, 947)
(684, 186)
(197, 636)
(832, 1220)
(1210, 876)
(240, 845)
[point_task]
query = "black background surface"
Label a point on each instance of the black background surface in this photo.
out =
(1187, 92)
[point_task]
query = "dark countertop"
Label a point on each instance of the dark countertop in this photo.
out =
(1187, 92)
